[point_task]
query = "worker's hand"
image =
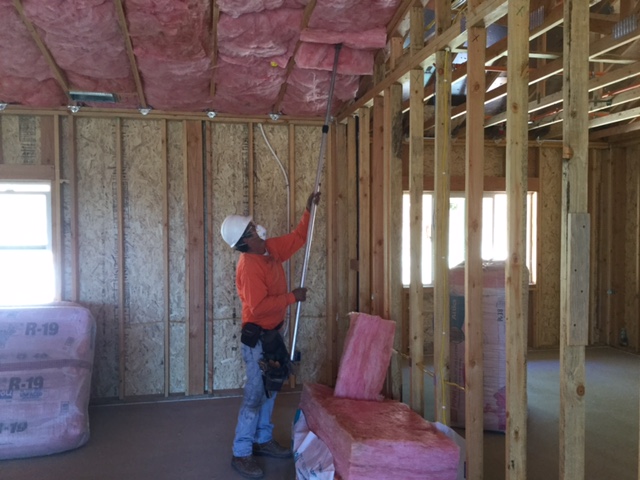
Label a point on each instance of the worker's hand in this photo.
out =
(313, 198)
(300, 294)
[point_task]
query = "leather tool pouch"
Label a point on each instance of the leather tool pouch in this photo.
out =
(250, 334)
(275, 362)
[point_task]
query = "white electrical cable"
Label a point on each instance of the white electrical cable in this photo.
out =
(285, 328)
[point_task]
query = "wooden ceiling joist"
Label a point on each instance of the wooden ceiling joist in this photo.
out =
(308, 10)
(595, 83)
(122, 21)
(615, 117)
(215, 16)
(604, 45)
(485, 14)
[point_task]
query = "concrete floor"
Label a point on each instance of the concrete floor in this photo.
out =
(180, 440)
(191, 439)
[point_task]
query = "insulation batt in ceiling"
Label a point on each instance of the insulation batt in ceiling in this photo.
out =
(255, 71)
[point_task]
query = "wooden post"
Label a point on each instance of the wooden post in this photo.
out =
(416, 27)
(194, 256)
(352, 214)
(392, 308)
(51, 152)
(72, 175)
(165, 254)
(122, 351)
(416, 290)
(364, 218)
(378, 240)
(331, 363)
(339, 241)
(474, 177)
(574, 277)
(442, 200)
(595, 199)
(516, 279)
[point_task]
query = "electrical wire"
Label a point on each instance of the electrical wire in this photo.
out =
(285, 328)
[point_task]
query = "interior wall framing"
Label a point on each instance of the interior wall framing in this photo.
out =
(124, 241)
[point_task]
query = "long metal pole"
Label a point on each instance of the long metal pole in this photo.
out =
(312, 220)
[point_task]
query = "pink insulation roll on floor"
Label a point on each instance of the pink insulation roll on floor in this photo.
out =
(46, 357)
(365, 358)
(378, 440)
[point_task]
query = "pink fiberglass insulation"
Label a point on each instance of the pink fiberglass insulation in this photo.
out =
(308, 91)
(269, 36)
(322, 57)
(85, 41)
(368, 39)
(365, 358)
(247, 90)
(46, 359)
(171, 42)
(352, 15)
(25, 76)
(378, 440)
(494, 345)
(235, 8)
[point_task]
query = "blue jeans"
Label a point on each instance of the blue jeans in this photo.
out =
(254, 420)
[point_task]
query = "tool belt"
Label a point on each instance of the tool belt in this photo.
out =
(275, 363)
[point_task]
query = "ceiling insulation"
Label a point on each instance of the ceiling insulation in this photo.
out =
(239, 57)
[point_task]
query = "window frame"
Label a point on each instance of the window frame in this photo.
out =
(427, 228)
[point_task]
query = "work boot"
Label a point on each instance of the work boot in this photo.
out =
(271, 449)
(247, 467)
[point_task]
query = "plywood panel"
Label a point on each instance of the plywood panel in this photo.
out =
(271, 179)
(97, 245)
(229, 158)
(177, 245)
(307, 144)
(632, 241)
(547, 332)
(21, 139)
(143, 256)
(619, 244)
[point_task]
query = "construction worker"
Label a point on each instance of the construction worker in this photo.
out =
(262, 288)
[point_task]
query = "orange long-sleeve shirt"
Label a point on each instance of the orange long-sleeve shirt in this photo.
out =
(261, 282)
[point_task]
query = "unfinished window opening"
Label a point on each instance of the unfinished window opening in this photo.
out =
(494, 232)
(26, 255)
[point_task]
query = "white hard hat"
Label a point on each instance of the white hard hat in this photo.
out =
(233, 227)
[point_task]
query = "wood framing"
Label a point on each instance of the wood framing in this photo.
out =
(416, 300)
(51, 152)
(339, 237)
(441, 207)
(474, 175)
(333, 267)
(122, 350)
(194, 257)
(392, 307)
(352, 213)
(378, 238)
(165, 259)
(515, 276)
(27, 172)
(364, 204)
(574, 202)
(72, 177)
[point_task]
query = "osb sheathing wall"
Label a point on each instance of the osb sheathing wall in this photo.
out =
(128, 189)
(621, 283)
